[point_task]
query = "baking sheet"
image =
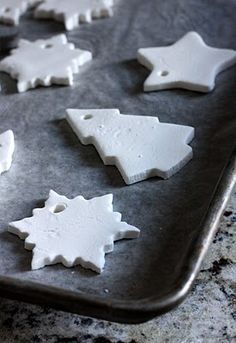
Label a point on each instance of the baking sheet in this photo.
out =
(49, 156)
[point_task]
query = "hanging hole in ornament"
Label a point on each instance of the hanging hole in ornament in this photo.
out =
(48, 46)
(163, 73)
(87, 117)
(58, 208)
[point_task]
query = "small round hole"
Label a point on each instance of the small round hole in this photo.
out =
(48, 46)
(87, 117)
(7, 10)
(163, 73)
(58, 208)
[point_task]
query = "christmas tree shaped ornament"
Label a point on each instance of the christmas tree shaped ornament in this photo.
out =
(72, 12)
(7, 147)
(44, 62)
(73, 231)
(139, 146)
(11, 10)
(189, 64)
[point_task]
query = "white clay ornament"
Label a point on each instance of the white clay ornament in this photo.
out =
(72, 12)
(189, 64)
(44, 62)
(139, 146)
(73, 231)
(11, 10)
(7, 147)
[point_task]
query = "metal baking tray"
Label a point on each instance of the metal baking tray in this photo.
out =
(178, 217)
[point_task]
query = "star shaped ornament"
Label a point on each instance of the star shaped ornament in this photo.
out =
(7, 147)
(72, 12)
(11, 10)
(140, 146)
(73, 231)
(44, 62)
(189, 64)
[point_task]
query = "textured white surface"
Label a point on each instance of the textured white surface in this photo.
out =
(139, 146)
(7, 147)
(189, 64)
(11, 10)
(44, 62)
(72, 12)
(73, 231)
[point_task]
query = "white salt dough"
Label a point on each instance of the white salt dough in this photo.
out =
(11, 10)
(7, 147)
(189, 64)
(73, 231)
(44, 62)
(139, 146)
(71, 12)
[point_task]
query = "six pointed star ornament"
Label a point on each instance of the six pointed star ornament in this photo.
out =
(73, 231)
(44, 62)
(189, 64)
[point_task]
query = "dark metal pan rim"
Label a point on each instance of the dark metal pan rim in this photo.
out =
(132, 311)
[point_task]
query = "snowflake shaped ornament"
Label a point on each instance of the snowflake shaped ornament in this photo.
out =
(139, 146)
(44, 62)
(71, 12)
(73, 231)
(189, 64)
(7, 147)
(11, 10)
